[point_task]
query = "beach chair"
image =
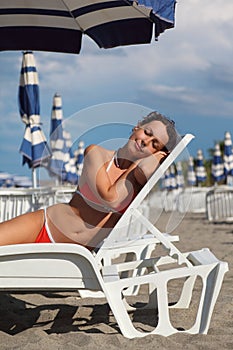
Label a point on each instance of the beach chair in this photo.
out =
(63, 267)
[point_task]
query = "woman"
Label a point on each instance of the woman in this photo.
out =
(109, 182)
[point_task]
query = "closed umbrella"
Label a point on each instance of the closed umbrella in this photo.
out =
(70, 170)
(57, 142)
(191, 176)
(200, 168)
(173, 184)
(34, 147)
(217, 168)
(59, 26)
(228, 155)
(179, 175)
(79, 156)
(62, 163)
(167, 180)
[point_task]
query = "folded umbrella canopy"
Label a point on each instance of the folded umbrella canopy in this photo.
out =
(34, 147)
(217, 168)
(228, 155)
(191, 176)
(59, 25)
(70, 169)
(179, 175)
(62, 162)
(79, 157)
(57, 142)
(200, 168)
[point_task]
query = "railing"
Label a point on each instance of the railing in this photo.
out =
(17, 201)
(219, 204)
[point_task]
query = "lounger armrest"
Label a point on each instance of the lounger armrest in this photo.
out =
(202, 257)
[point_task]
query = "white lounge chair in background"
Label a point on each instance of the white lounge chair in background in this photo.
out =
(219, 204)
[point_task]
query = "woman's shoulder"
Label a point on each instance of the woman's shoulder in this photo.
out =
(92, 147)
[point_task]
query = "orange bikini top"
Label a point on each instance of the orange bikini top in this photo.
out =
(91, 199)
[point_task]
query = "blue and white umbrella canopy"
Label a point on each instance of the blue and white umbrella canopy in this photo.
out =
(173, 184)
(179, 175)
(62, 163)
(6, 179)
(57, 142)
(191, 176)
(59, 26)
(169, 179)
(70, 170)
(200, 168)
(34, 147)
(217, 168)
(166, 180)
(79, 156)
(228, 155)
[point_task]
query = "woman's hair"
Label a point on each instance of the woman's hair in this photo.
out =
(173, 135)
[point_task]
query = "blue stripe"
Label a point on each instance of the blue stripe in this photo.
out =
(31, 11)
(100, 6)
(40, 39)
(122, 32)
(29, 100)
(28, 69)
(55, 108)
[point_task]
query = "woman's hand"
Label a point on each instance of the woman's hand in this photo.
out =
(148, 165)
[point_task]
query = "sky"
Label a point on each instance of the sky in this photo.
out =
(187, 75)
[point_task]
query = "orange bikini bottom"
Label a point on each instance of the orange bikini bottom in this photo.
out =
(43, 236)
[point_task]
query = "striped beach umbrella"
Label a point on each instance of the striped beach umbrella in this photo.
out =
(173, 184)
(179, 175)
(34, 147)
(191, 176)
(62, 163)
(79, 156)
(200, 168)
(57, 142)
(59, 26)
(217, 167)
(228, 155)
(70, 170)
(166, 180)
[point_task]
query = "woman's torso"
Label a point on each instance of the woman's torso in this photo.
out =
(85, 220)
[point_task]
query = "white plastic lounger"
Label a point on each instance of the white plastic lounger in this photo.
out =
(63, 267)
(219, 204)
(45, 266)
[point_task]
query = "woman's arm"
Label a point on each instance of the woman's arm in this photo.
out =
(115, 195)
(147, 166)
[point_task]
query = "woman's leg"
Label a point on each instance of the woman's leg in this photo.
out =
(22, 229)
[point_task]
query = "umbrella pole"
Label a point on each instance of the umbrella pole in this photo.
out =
(34, 178)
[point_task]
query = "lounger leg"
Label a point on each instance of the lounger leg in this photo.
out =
(186, 294)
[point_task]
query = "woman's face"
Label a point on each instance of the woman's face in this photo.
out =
(147, 139)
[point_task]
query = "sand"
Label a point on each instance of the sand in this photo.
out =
(58, 321)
